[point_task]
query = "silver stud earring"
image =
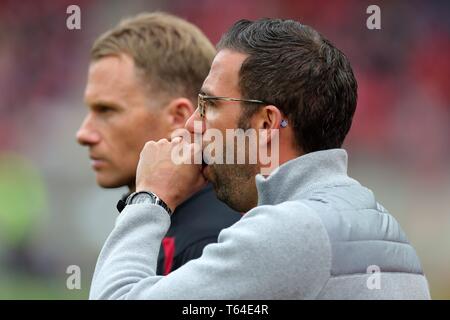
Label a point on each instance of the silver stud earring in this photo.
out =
(284, 123)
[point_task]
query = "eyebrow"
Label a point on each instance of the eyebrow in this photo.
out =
(102, 103)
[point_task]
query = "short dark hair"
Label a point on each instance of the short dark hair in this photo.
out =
(293, 67)
(173, 55)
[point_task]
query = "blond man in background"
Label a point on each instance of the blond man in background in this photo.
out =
(142, 85)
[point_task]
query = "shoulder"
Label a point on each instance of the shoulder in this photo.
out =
(204, 214)
(290, 231)
(289, 222)
(199, 220)
(288, 240)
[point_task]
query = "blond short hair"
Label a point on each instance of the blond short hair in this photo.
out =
(173, 55)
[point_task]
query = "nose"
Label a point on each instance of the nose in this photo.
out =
(86, 135)
(195, 123)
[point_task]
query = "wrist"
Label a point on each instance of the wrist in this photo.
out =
(148, 197)
(164, 196)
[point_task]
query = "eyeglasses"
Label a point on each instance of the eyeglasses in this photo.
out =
(204, 99)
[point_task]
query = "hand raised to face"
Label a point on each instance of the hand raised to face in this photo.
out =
(159, 173)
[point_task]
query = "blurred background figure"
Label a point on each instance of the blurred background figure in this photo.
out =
(399, 142)
(23, 207)
(142, 86)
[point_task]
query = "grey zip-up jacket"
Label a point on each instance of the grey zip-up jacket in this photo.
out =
(315, 234)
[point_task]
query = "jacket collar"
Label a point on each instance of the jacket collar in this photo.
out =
(298, 176)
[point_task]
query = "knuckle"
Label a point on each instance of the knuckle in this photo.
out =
(162, 142)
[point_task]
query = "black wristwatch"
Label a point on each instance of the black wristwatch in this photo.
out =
(147, 197)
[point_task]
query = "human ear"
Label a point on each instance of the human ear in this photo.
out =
(179, 111)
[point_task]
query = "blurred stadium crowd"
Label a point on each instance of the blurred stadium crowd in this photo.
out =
(52, 214)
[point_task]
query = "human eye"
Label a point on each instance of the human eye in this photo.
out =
(210, 103)
(103, 109)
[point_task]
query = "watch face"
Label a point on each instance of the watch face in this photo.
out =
(142, 198)
(149, 198)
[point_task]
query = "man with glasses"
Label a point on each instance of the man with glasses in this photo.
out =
(309, 231)
(142, 85)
